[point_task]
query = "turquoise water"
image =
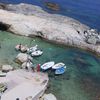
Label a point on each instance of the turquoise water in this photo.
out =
(82, 78)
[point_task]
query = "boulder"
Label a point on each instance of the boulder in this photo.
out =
(21, 47)
(22, 57)
(7, 68)
(49, 96)
(2, 6)
(24, 49)
(52, 6)
(27, 65)
(92, 40)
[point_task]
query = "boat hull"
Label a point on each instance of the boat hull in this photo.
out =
(47, 65)
(58, 65)
(60, 71)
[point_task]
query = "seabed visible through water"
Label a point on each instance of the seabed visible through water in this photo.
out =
(82, 78)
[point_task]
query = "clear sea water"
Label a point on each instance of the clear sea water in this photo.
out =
(82, 78)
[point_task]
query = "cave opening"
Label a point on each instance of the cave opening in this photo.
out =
(4, 27)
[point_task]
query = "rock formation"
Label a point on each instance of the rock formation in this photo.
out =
(52, 6)
(30, 20)
(7, 68)
(22, 57)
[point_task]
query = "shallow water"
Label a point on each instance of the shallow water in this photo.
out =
(82, 78)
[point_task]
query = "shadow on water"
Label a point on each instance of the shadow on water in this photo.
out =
(88, 69)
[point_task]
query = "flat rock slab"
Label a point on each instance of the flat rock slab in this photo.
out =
(22, 84)
(22, 92)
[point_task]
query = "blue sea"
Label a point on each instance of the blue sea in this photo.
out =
(86, 11)
(81, 81)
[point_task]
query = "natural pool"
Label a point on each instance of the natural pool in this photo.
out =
(82, 78)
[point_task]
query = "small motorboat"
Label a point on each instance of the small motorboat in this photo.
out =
(47, 65)
(2, 74)
(32, 49)
(37, 53)
(58, 65)
(60, 71)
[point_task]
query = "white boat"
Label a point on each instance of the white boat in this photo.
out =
(58, 65)
(2, 74)
(47, 65)
(32, 49)
(37, 53)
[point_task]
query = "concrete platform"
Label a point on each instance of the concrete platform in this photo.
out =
(22, 84)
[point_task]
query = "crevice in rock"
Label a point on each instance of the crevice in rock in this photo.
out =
(2, 6)
(4, 27)
(31, 35)
(39, 33)
(78, 32)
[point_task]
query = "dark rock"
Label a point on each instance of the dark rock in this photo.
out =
(4, 27)
(2, 6)
(52, 6)
(40, 34)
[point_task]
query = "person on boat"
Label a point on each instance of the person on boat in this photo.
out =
(38, 68)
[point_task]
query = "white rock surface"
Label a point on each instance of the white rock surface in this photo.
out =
(7, 68)
(22, 84)
(22, 57)
(56, 28)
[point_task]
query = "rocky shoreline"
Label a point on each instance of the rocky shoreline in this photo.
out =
(30, 20)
